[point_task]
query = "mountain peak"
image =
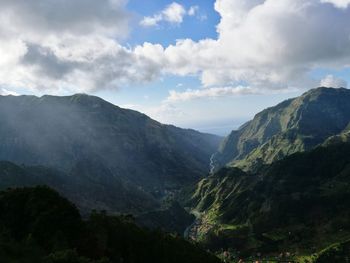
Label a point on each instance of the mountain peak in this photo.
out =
(78, 97)
(125, 154)
(294, 125)
(326, 91)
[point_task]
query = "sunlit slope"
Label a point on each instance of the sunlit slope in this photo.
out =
(292, 126)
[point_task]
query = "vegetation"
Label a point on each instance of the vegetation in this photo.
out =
(283, 192)
(292, 126)
(300, 204)
(172, 218)
(337, 253)
(122, 160)
(37, 225)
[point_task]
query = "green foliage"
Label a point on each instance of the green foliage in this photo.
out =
(172, 218)
(292, 126)
(39, 226)
(70, 256)
(301, 203)
(51, 221)
(337, 253)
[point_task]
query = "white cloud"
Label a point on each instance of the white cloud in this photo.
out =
(75, 45)
(191, 94)
(6, 92)
(150, 21)
(165, 112)
(69, 45)
(332, 82)
(217, 92)
(173, 14)
(193, 10)
(338, 3)
(268, 44)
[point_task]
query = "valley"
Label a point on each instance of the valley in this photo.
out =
(99, 155)
(174, 131)
(296, 204)
(276, 189)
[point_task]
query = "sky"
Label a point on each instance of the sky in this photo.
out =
(210, 65)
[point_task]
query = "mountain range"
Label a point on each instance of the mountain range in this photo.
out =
(97, 154)
(299, 204)
(284, 188)
(294, 125)
(279, 186)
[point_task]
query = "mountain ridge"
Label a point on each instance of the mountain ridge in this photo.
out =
(291, 126)
(102, 144)
(39, 225)
(298, 204)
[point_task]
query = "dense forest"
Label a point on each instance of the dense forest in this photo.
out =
(38, 225)
(299, 205)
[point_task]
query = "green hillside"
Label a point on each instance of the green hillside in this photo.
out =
(300, 204)
(39, 226)
(292, 126)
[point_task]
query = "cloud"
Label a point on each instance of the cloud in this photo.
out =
(66, 16)
(338, 3)
(173, 14)
(217, 92)
(332, 82)
(6, 92)
(165, 112)
(69, 45)
(193, 10)
(191, 94)
(74, 45)
(268, 44)
(149, 21)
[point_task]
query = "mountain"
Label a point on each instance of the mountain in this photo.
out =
(171, 218)
(110, 195)
(342, 137)
(37, 225)
(103, 156)
(300, 204)
(292, 126)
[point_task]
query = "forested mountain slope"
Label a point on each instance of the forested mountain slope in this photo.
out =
(37, 225)
(292, 126)
(123, 160)
(300, 204)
